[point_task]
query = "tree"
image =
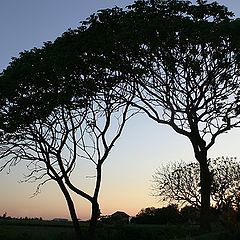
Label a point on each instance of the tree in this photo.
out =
(226, 183)
(188, 74)
(164, 215)
(54, 146)
(145, 216)
(180, 182)
(184, 75)
(58, 106)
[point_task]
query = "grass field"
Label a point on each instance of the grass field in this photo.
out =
(48, 230)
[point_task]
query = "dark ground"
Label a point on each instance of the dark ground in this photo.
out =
(49, 230)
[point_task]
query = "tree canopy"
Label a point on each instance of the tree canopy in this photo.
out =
(61, 104)
(188, 61)
(176, 61)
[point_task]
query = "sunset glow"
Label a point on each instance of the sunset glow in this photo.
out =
(143, 147)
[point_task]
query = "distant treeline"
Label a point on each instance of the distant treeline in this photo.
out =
(4, 216)
(188, 214)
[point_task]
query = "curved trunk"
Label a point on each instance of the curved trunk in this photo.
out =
(71, 209)
(95, 206)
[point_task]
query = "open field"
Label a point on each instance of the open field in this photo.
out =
(34, 230)
(48, 230)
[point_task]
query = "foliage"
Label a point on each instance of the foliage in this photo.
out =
(189, 57)
(59, 105)
(66, 72)
(190, 214)
(177, 62)
(190, 79)
(53, 146)
(164, 215)
(226, 183)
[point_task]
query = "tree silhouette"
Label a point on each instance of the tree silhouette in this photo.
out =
(164, 215)
(54, 147)
(59, 106)
(187, 58)
(179, 61)
(182, 62)
(180, 182)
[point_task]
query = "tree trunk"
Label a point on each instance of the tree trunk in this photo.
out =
(205, 184)
(71, 209)
(93, 220)
(95, 205)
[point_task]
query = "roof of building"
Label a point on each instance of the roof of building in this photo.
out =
(120, 214)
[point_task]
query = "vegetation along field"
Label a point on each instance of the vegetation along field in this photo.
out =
(49, 230)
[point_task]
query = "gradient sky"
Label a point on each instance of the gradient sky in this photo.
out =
(142, 148)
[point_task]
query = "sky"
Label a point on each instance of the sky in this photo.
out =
(142, 148)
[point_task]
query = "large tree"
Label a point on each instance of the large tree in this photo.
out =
(60, 104)
(183, 63)
(54, 147)
(49, 150)
(181, 60)
(185, 73)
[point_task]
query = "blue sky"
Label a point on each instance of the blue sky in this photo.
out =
(28, 23)
(143, 147)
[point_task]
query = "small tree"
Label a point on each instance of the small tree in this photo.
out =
(226, 183)
(180, 182)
